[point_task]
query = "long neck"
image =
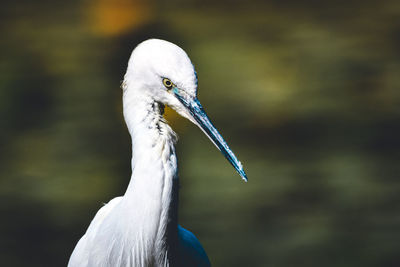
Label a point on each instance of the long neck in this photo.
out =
(152, 192)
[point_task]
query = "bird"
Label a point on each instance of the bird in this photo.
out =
(141, 227)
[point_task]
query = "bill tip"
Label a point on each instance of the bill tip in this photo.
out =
(244, 176)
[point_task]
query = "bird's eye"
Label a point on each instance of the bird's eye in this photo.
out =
(167, 83)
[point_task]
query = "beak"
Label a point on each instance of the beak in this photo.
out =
(199, 117)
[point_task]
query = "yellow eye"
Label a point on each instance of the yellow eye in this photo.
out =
(167, 83)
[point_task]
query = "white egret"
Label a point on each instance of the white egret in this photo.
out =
(141, 228)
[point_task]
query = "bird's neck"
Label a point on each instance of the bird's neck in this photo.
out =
(153, 190)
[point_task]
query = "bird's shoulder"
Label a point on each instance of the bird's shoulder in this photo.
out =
(80, 255)
(103, 212)
(191, 252)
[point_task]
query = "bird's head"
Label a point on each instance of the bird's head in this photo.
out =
(163, 71)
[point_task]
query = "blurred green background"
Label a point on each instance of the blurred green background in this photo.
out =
(307, 94)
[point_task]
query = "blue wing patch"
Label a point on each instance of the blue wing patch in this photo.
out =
(191, 253)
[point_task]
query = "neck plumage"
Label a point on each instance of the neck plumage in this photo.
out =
(153, 190)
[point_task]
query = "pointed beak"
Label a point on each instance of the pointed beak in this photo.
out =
(199, 117)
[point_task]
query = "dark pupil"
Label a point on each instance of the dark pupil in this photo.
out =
(168, 83)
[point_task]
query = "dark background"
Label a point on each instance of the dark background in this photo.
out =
(305, 92)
